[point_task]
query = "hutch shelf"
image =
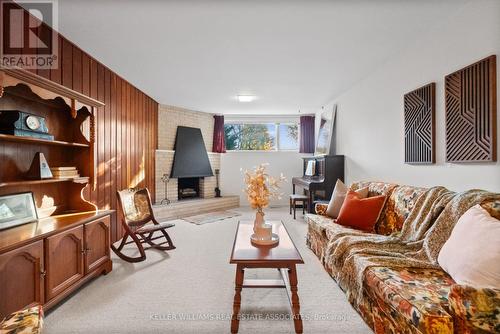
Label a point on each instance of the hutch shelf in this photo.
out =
(29, 140)
(46, 260)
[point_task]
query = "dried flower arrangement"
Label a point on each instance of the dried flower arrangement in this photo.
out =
(261, 187)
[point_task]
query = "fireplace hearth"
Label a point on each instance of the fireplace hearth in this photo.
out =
(188, 187)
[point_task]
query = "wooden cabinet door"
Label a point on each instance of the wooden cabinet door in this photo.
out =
(21, 278)
(63, 261)
(97, 243)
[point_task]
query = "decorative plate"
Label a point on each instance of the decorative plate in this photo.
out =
(273, 241)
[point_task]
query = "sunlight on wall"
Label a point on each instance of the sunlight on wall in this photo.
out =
(101, 169)
(139, 177)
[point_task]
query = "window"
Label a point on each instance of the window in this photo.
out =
(288, 137)
(261, 136)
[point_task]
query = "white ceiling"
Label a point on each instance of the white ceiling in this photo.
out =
(291, 54)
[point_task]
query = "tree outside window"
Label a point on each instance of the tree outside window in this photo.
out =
(261, 137)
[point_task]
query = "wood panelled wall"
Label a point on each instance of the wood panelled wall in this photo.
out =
(126, 127)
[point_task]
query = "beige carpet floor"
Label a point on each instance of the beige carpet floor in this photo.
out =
(191, 289)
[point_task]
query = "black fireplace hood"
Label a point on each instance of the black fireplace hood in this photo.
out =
(191, 157)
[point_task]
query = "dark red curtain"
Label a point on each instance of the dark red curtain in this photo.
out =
(306, 134)
(219, 142)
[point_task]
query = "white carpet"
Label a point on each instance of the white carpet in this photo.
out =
(211, 217)
(191, 289)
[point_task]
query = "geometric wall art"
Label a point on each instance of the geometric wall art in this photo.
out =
(470, 100)
(419, 125)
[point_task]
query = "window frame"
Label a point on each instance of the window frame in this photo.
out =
(277, 137)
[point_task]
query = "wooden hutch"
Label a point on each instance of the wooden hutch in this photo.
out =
(44, 261)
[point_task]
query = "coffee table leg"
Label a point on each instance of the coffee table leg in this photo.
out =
(235, 321)
(297, 319)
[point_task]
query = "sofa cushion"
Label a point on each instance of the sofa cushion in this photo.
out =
(374, 188)
(475, 310)
(397, 209)
(327, 226)
(320, 230)
(419, 295)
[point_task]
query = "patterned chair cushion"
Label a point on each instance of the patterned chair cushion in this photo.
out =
(398, 207)
(27, 321)
(135, 204)
(420, 296)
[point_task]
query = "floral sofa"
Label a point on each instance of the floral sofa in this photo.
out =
(409, 300)
(27, 321)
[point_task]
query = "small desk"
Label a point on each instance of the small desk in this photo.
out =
(283, 257)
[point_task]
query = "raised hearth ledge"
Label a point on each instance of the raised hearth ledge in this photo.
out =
(192, 207)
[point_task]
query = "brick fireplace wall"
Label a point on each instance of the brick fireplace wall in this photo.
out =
(169, 118)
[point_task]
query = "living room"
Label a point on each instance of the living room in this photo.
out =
(253, 167)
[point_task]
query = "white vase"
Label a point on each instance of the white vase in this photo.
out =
(259, 221)
(262, 231)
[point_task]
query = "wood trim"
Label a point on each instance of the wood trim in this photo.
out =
(130, 119)
(263, 283)
(25, 234)
(54, 87)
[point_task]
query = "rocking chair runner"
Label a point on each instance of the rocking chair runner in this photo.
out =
(140, 224)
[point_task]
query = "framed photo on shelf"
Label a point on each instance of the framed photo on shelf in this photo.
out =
(17, 209)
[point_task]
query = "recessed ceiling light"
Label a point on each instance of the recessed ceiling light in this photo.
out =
(246, 98)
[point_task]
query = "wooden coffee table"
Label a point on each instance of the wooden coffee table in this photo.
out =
(283, 257)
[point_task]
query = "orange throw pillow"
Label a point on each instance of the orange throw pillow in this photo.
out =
(360, 213)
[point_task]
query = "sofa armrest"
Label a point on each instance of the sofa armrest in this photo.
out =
(320, 208)
(475, 310)
(29, 320)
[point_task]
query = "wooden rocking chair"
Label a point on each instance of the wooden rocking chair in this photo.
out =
(140, 224)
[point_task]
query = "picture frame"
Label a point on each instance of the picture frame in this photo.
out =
(17, 209)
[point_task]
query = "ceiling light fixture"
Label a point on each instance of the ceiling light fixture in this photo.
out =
(246, 98)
